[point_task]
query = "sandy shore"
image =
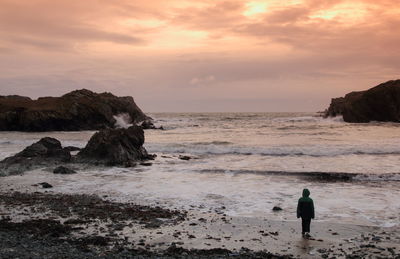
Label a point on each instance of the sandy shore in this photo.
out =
(40, 223)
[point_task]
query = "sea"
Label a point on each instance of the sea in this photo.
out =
(247, 163)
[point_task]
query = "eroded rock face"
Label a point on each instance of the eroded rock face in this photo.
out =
(47, 151)
(107, 147)
(380, 103)
(77, 110)
(148, 124)
(115, 147)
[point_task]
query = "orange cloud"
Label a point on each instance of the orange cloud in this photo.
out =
(222, 46)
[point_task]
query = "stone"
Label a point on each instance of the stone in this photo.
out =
(276, 208)
(47, 151)
(77, 110)
(380, 103)
(46, 185)
(72, 148)
(63, 170)
(184, 157)
(115, 147)
(148, 124)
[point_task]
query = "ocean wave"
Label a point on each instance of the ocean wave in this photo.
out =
(226, 148)
(321, 176)
(311, 119)
(214, 143)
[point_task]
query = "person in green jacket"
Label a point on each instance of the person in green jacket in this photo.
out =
(305, 211)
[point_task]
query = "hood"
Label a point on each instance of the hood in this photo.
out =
(306, 193)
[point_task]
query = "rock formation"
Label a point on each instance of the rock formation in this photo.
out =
(107, 147)
(77, 110)
(148, 124)
(115, 147)
(45, 152)
(380, 103)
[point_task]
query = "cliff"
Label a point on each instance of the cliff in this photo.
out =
(380, 103)
(77, 110)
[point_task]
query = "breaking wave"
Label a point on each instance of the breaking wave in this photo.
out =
(321, 176)
(227, 148)
(122, 120)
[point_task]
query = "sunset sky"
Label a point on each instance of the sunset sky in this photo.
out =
(207, 55)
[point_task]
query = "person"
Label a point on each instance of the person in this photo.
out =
(305, 211)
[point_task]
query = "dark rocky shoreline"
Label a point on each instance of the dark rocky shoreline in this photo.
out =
(48, 225)
(83, 226)
(380, 103)
(74, 111)
(107, 147)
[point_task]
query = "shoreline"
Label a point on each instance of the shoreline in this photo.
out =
(192, 233)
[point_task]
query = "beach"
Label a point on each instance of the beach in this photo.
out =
(199, 129)
(220, 175)
(49, 225)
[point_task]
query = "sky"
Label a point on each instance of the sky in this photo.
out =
(200, 55)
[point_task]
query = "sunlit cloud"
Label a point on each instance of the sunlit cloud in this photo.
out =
(153, 48)
(255, 8)
(202, 80)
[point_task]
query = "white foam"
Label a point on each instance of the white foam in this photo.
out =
(242, 195)
(223, 147)
(123, 120)
(246, 143)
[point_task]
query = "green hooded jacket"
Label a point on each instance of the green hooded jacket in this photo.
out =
(305, 206)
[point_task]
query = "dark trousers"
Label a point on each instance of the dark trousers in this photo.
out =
(305, 225)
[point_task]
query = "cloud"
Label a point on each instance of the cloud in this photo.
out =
(213, 16)
(202, 80)
(154, 49)
(312, 25)
(51, 25)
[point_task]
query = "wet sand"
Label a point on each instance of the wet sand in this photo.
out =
(94, 227)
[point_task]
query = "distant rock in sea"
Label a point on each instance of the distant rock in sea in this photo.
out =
(115, 147)
(77, 110)
(380, 103)
(108, 147)
(45, 152)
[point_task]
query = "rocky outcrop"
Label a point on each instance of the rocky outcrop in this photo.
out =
(77, 110)
(107, 147)
(45, 152)
(380, 103)
(148, 124)
(115, 147)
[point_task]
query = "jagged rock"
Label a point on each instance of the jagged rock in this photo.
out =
(47, 151)
(46, 185)
(72, 148)
(380, 103)
(148, 124)
(77, 110)
(115, 147)
(63, 170)
(182, 157)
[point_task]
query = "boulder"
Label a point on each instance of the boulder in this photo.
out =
(182, 157)
(47, 151)
(72, 148)
(45, 185)
(63, 170)
(276, 208)
(380, 103)
(148, 124)
(77, 110)
(115, 147)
